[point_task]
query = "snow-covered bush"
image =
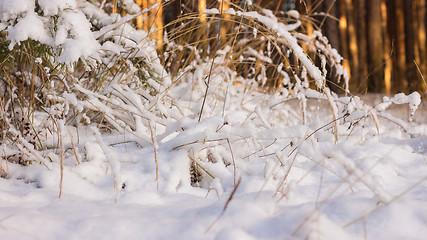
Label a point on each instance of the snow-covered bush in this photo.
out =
(60, 25)
(55, 54)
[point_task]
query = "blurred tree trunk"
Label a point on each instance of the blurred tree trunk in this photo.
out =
(411, 69)
(400, 82)
(387, 49)
(393, 36)
(204, 26)
(201, 7)
(343, 26)
(330, 28)
(139, 19)
(224, 6)
(309, 8)
(352, 37)
(362, 84)
(330, 24)
(152, 20)
(420, 36)
(115, 10)
(171, 12)
(145, 15)
(375, 47)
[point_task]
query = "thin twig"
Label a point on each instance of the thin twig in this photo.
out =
(334, 121)
(155, 155)
(217, 194)
(385, 204)
(212, 64)
(226, 205)
(62, 161)
(234, 163)
(421, 74)
(72, 144)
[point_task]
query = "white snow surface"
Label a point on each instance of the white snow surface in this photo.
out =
(363, 187)
(268, 166)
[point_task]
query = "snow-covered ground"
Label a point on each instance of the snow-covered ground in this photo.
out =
(271, 185)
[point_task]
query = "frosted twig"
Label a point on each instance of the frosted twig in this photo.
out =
(226, 205)
(155, 154)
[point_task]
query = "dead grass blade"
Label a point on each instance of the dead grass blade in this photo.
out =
(225, 206)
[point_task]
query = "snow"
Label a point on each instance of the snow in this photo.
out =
(303, 164)
(361, 186)
(213, 11)
(75, 37)
(11, 9)
(61, 26)
(50, 7)
(29, 27)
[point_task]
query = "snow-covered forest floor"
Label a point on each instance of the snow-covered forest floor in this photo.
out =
(100, 139)
(363, 187)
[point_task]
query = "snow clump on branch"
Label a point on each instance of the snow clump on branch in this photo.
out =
(60, 25)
